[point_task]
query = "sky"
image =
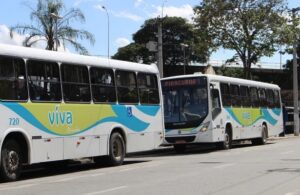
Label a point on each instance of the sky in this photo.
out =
(125, 18)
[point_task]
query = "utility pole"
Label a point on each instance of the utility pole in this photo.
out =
(160, 63)
(295, 76)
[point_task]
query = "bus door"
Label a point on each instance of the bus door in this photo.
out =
(215, 105)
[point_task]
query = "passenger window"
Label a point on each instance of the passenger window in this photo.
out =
(262, 97)
(12, 79)
(270, 98)
(44, 81)
(254, 97)
(103, 85)
(126, 87)
(277, 99)
(225, 94)
(148, 88)
(245, 96)
(235, 95)
(75, 81)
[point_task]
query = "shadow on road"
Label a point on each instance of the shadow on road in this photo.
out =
(190, 150)
(64, 167)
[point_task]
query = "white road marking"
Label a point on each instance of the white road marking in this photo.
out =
(225, 165)
(287, 152)
(97, 174)
(107, 190)
(17, 187)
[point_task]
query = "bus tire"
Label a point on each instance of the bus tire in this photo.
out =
(11, 163)
(179, 148)
(263, 139)
(227, 143)
(116, 150)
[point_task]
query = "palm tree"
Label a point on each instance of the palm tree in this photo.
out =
(47, 27)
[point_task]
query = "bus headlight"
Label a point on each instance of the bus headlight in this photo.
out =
(204, 127)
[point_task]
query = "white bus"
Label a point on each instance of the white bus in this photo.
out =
(204, 108)
(57, 106)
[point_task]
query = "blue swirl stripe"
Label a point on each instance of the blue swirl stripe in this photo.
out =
(149, 110)
(27, 116)
(131, 122)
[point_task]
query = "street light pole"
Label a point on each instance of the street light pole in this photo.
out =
(56, 17)
(295, 76)
(103, 7)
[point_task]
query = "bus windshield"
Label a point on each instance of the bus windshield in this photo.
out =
(185, 101)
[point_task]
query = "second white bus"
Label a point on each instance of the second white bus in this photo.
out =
(204, 108)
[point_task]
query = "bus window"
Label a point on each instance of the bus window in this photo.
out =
(12, 79)
(225, 94)
(245, 96)
(277, 99)
(254, 97)
(103, 85)
(44, 81)
(126, 87)
(235, 95)
(216, 106)
(148, 88)
(75, 81)
(270, 98)
(262, 97)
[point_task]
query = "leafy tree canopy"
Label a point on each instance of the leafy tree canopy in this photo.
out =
(252, 28)
(176, 31)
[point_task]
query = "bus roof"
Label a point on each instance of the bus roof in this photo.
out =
(64, 57)
(226, 79)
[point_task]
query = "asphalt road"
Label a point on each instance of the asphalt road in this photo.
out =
(270, 169)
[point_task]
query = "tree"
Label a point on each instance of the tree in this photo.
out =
(45, 29)
(176, 31)
(252, 28)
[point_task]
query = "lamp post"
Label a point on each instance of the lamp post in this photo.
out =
(184, 46)
(295, 75)
(56, 17)
(104, 8)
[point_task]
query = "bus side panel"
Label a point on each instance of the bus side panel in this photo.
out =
(49, 149)
(147, 129)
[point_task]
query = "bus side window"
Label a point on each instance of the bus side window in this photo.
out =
(235, 95)
(262, 97)
(225, 94)
(44, 81)
(126, 87)
(270, 98)
(76, 85)
(148, 88)
(103, 85)
(277, 98)
(12, 79)
(216, 105)
(254, 97)
(245, 96)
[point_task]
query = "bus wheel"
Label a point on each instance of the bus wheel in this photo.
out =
(11, 163)
(116, 150)
(263, 139)
(179, 148)
(227, 143)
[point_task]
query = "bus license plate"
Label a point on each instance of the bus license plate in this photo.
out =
(180, 141)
